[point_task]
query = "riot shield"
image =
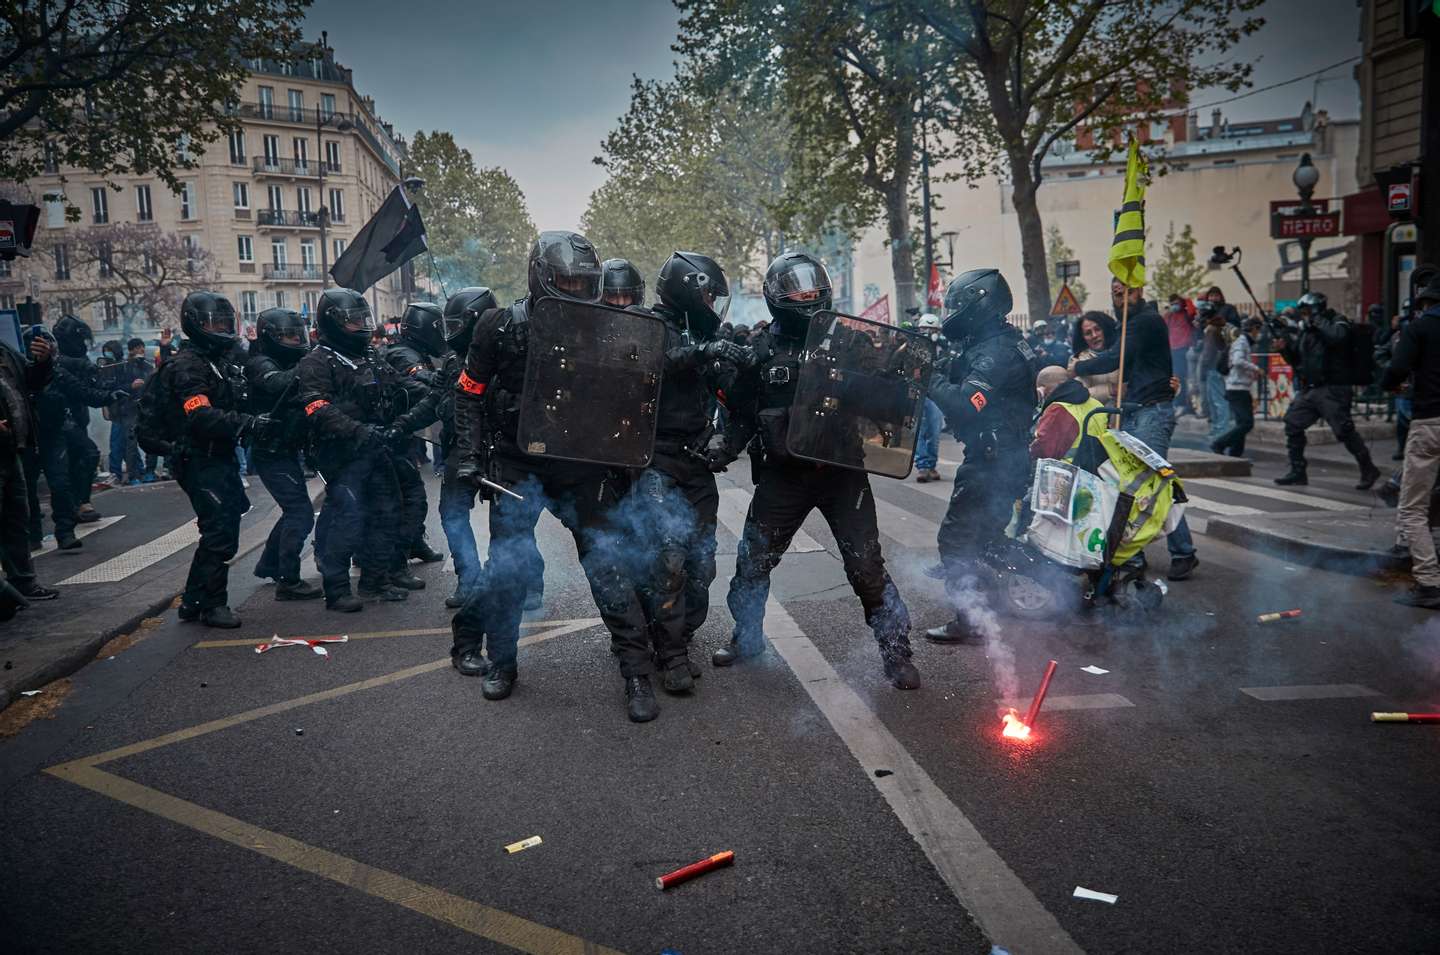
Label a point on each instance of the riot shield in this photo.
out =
(592, 383)
(858, 400)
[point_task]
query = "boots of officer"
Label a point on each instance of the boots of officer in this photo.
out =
(641, 705)
(1369, 473)
(1296, 475)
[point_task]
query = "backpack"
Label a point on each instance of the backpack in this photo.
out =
(150, 431)
(1359, 366)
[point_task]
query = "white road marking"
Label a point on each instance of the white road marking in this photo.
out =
(1315, 691)
(938, 489)
(988, 888)
(138, 558)
(1003, 905)
(906, 529)
(735, 503)
(1274, 494)
(1083, 701)
(1218, 507)
(81, 530)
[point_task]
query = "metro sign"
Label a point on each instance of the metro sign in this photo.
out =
(1321, 226)
(1292, 207)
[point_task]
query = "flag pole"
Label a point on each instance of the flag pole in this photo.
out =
(1120, 382)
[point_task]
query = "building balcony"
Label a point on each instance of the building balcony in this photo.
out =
(278, 219)
(292, 273)
(289, 168)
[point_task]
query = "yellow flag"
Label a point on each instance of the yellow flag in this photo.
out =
(1127, 251)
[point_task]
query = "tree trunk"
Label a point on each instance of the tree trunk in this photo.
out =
(1032, 239)
(902, 249)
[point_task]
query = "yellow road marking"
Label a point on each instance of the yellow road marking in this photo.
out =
(480, 920)
(376, 634)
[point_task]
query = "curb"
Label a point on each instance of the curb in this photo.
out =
(1311, 553)
(1205, 465)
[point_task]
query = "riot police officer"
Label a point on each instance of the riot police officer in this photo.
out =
(51, 453)
(1319, 352)
(281, 339)
(413, 355)
(623, 286)
(787, 488)
(989, 399)
(489, 389)
(348, 395)
(78, 383)
(202, 399)
(675, 498)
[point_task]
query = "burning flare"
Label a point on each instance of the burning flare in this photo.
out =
(1014, 728)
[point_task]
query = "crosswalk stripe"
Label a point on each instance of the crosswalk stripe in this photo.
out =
(81, 530)
(1083, 701)
(138, 558)
(1274, 494)
(735, 503)
(906, 529)
(1313, 691)
(1219, 507)
(940, 490)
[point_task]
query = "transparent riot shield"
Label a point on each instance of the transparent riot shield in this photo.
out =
(592, 383)
(858, 401)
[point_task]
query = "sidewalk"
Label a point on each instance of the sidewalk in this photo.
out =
(55, 638)
(1374, 430)
(1354, 542)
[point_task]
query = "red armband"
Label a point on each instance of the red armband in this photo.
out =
(470, 385)
(196, 401)
(315, 406)
(978, 400)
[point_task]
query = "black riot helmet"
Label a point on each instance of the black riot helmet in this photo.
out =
(423, 327)
(624, 285)
(462, 311)
(345, 321)
(796, 287)
(208, 321)
(73, 337)
(564, 265)
(282, 335)
(694, 285)
(973, 299)
(1314, 301)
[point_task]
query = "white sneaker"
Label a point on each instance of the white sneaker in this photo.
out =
(245, 483)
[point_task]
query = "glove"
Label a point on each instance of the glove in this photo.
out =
(119, 394)
(393, 438)
(718, 455)
(372, 436)
(263, 429)
(469, 471)
(722, 350)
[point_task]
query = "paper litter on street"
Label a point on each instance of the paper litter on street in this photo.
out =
(28, 692)
(1092, 668)
(315, 644)
(1083, 893)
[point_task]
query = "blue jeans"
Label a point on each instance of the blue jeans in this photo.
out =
(1221, 420)
(280, 473)
(927, 439)
(1155, 424)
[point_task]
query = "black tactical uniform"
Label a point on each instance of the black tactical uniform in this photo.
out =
(203, 402)
(51, 452)
(78, 384)
(281, 340)
(675, 500)
(787, 488)
(989, 399)
(1318, 353)
(486, 421)
(349, 397)
(413, 356)
(19, 378)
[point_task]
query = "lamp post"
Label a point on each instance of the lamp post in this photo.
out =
(1305, 177)
(342, 125)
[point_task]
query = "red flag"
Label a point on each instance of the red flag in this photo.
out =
(935, 300)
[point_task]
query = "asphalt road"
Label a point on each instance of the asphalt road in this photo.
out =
(1222, 779)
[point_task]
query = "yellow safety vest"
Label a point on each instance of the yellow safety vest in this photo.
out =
(1153, 493)
(1098, 425)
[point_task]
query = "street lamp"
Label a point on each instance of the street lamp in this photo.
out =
(1305, 177)
(342, 125)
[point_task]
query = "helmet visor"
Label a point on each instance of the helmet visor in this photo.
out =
(719, 304)
(799, 284)
(218, 319)
(357, 318)
(580, 281)
(292, 336)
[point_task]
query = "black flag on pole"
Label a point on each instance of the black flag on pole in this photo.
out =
(392, 237)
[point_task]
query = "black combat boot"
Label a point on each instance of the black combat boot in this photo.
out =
(1296, 475)
(372, 588)
(471, 663)
(1369, 473)
(405, 580)
(426, 554)
(678, 678)
(296, 590)
(901, 673)
(498, 683)
(640, 695)
(66, 540)
(222, 617)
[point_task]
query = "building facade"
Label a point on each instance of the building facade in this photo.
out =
(273, 204)
(1219, 179)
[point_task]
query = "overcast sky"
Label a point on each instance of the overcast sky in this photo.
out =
(534, 87)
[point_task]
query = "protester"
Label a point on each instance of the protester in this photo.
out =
(927, 438)
(1219, 306)
(1417, 359)
(1066, 406)
(1180, 322)
(1094, 333)
(1214, 365)
(1243, 373)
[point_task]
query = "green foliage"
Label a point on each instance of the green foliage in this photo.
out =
(476, 220)
(135, 87)
(1057, 250)
(1177, 270)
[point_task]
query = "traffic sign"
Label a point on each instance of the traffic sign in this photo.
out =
(1066, 303)
(7, 233)
(1323, 225)
(1397, 198)
(1067, 269)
